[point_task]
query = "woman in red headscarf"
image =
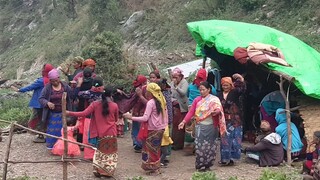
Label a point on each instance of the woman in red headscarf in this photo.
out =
(230, 99)
(138, 109)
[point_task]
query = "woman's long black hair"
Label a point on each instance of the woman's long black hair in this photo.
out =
(105, 102)
(158, 106)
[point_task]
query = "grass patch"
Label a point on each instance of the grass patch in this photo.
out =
(15, 109)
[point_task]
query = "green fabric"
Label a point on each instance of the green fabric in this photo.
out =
(228, 35)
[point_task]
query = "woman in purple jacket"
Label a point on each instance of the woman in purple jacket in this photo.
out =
(51, 101)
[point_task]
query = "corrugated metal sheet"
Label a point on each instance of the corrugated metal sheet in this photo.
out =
(190, 67)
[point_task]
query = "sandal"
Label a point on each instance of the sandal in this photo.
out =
(96, 174)
(230, 163)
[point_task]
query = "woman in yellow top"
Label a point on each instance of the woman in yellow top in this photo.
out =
(166, 141)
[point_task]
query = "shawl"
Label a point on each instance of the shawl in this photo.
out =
(208, 105)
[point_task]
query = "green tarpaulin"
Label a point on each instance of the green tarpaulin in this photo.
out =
(228, 35)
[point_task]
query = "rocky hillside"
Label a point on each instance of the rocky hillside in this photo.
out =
(36, 31)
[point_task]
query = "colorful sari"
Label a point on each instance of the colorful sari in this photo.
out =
(106, 156)
(151, 151)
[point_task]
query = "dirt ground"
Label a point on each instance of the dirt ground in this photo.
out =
(180, 167)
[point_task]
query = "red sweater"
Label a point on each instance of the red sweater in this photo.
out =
(100, 125)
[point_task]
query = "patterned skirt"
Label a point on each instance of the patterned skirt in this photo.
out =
(53, 128)
(106, 156)
(205, 141)
(151, 151)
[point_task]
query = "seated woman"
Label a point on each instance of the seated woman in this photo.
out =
(313, 154)
(281, 129)
(268, 151)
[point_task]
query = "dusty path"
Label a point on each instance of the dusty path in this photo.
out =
(180, 167)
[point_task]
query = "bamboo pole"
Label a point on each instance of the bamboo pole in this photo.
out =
(65, 135)
(286, 98)
(49, 135)
(6, 158)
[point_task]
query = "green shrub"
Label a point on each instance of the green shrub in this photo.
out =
(250, 5)
(106, 50)
(15, 109)
(106, 12)
(279, 175)
(204, 176)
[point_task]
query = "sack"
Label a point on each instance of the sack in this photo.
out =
(143, 132)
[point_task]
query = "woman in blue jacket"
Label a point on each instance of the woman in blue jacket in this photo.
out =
(281, 129)
(37, 86)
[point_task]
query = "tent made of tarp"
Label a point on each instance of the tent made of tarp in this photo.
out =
(226, 36)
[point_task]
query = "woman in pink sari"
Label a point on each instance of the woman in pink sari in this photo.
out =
(209, 116)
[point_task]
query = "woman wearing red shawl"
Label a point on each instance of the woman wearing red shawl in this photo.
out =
(138, 109)
(230, 146)
(37, 86)
(208, 112)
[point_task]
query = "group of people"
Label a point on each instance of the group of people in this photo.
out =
(165, 116)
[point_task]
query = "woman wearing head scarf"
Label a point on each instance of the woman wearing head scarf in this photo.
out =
(230, 147)
(179, 89)
(281, 129)
(138, 109)
(103, 129)
(37, 86)
(157, 119)
(51, 101)
(208, 112)
(89, 63)
(268, 151)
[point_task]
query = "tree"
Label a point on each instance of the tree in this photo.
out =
(112, 66)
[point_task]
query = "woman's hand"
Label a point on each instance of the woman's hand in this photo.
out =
(50, 105)
(14, 88)
(80, 81)
(127, 116)
(216, 112)
(237, 77)
(181, 125)
(139, 91)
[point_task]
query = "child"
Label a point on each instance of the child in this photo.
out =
(313, 154)
(73, 149)
(166, 141)
(120, 126)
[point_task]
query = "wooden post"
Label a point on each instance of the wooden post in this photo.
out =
(204, 62)
(65, 135)
(286, 98)
(6, 158)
